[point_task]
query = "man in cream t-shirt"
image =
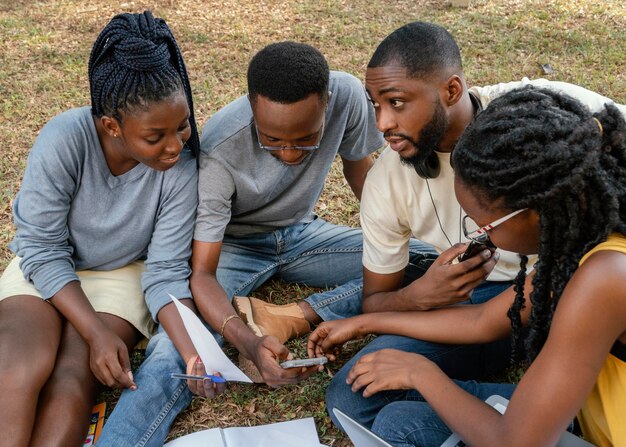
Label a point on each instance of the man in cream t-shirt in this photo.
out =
(416, 83)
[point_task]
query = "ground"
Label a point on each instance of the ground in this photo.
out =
(44, 49)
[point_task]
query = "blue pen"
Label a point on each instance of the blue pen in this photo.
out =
(216, 379)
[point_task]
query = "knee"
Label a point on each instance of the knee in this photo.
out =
(162, 351)
(410, 423)
(26, 376)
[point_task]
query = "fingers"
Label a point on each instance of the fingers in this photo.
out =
(319, 344)
(205, 388)
(210, 389)
(196, 367)
(452, 253)
(112, 367)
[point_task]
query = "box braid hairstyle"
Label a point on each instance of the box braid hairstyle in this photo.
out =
(136, 61)
(539, 149)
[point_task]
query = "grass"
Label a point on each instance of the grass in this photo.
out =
(44, 48)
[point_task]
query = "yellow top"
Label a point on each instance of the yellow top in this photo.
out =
(603, 417)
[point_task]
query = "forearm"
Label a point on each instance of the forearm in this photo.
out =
(396, 301)
(215, 307)
(452, 325)
(170, 319)
(471, 418)
(73, 304)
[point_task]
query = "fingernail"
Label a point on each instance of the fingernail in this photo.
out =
(130, 375)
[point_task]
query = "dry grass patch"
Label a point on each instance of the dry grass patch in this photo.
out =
(44, 48)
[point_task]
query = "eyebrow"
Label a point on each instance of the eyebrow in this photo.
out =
(161, 129)
(391, 89)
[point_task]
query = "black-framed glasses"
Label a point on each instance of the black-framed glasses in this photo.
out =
(473, 232)
(292, 147)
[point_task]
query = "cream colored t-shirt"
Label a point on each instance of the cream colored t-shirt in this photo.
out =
(396, 205)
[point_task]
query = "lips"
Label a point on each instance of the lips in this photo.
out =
(397, 144)
(171, 160)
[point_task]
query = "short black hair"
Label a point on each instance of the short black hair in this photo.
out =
(288, 72)
(136, 61)
(422, 48)
(544, 150)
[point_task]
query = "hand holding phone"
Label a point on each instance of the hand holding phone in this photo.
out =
(473, 249)
(300, 363)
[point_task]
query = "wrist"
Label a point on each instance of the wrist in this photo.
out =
(413, 295)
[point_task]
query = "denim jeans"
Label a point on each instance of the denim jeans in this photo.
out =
(462, 362)
(410, 421)
(143, 417)
(318, 254)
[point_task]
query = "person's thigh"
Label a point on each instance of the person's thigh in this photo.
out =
(321, 254)
(72, 388)
(462, 362)
(247, 262)
(30, 333)
(413, 423)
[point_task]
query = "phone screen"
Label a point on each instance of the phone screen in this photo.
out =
(304, 362)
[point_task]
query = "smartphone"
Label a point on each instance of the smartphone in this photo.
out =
(472, 250)
(299, 363)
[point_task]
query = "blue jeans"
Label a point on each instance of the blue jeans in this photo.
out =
(143, 417)
(317, 254)
(420, 425)
(462, 362)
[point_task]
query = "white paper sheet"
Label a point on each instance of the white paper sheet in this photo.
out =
(209, 351)
(299, 432)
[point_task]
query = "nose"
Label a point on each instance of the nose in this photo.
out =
(385, 120)
(290, 156)
(175, 144)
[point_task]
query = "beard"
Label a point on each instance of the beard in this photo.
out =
(428, 140)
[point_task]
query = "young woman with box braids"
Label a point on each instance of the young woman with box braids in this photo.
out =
(537, 173)
(104, 221)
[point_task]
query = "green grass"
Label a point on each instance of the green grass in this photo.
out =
(44, 48)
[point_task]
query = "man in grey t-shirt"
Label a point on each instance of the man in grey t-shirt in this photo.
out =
(264, 161)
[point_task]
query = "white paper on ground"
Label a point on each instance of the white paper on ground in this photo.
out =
(209, 351)
(300, 432)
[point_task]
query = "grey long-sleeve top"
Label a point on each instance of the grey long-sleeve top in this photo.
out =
(73, 214)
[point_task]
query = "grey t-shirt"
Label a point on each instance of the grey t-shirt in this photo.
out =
(244, 190)
(73, 214)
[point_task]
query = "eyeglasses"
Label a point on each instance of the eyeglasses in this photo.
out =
(294, 147)
(479, 234)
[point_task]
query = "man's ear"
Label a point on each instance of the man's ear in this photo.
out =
(454, 90)
(111, 125)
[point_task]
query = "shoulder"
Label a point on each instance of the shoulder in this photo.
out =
(227, 124)
(66, 136)
(386, 180)
(594, 101)
(71, 123)
(602, 271)
(186, 166)
(344, 86)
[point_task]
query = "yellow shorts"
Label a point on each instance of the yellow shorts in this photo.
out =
(117, 292)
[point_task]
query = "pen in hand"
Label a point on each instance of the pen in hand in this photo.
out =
(216, 379)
